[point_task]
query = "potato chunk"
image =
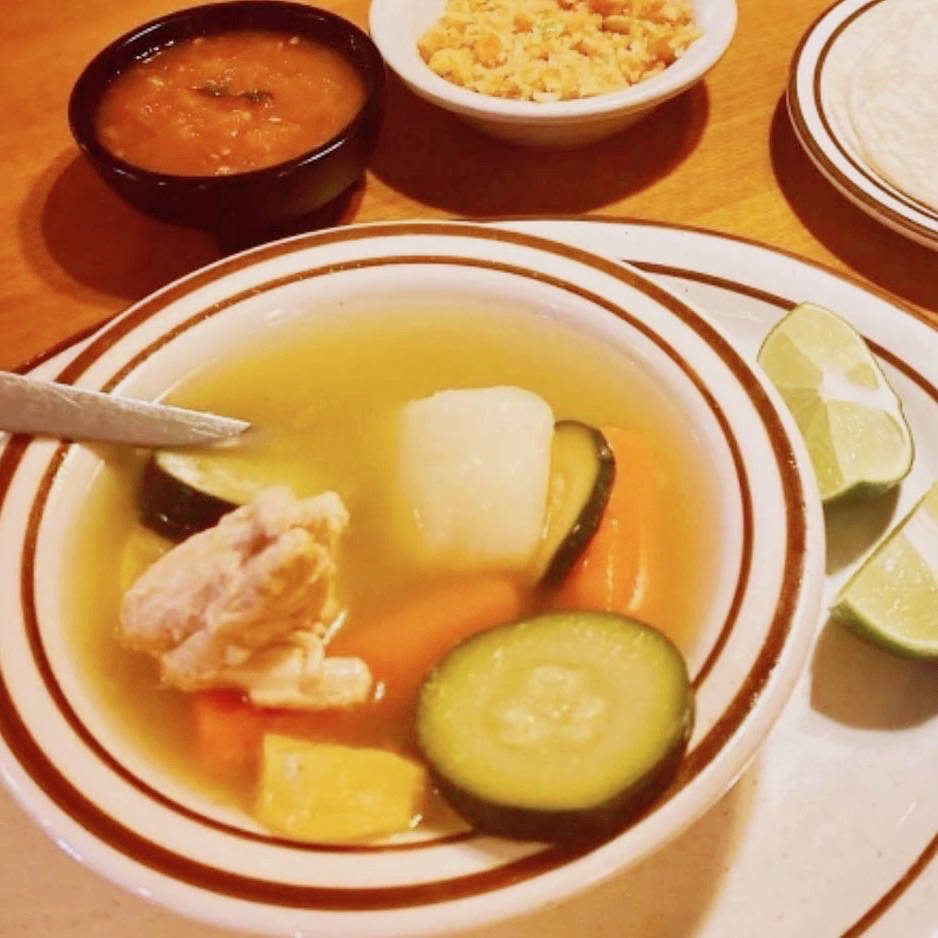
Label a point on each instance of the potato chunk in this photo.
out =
(326, 792)
(473, 470)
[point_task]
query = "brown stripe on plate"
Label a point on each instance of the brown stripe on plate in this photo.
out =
(220, 881)
(820, 156)
(920, 313)
(63, 345)
(774, 300)
(875, 912)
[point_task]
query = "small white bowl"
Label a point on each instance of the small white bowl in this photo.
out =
(100, 794)
(396, 25)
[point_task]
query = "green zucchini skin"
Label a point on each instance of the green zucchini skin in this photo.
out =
(175, 509)
(509, 816)
(602, 467)
(603, 820)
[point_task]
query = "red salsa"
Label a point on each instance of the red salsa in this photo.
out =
(215, 105)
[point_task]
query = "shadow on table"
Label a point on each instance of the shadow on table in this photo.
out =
(889, 260)
(859, 684)
(74, 229)
(430, 156)
(77, 233)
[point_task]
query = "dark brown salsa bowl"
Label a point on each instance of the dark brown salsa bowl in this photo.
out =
(240, 207)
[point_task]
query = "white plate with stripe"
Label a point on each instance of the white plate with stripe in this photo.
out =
(820, 71)
(833, 831)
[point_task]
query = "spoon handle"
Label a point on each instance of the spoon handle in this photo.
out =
(29, 405)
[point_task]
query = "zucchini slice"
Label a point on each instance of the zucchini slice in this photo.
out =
(583, 469)
(557, 727)
(186, 492)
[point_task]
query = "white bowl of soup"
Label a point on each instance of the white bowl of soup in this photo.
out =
(410, 387)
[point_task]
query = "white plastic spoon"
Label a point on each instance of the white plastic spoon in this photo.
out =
(29, 405)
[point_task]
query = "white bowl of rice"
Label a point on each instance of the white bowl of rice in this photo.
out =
(551, 73)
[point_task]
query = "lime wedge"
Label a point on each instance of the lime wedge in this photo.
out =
(893, 598)
(849, 416)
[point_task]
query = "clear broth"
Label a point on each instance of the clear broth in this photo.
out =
(323, 395)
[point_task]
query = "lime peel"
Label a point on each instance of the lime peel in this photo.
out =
(893, 598)
(849, 415)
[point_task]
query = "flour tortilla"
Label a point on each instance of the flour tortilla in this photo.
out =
(893, 99)
(839, 68)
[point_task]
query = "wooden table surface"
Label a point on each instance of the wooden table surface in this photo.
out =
(723, 156)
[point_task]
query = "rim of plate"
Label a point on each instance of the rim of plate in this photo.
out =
(740, 729)
(817, 133)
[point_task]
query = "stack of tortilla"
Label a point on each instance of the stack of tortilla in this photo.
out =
(884, 94)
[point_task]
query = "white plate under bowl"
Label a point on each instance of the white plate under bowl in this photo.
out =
(93, 790)
(814, 87)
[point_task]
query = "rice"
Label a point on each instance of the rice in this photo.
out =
(551, 50)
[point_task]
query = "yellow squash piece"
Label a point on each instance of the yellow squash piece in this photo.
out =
(327, 792)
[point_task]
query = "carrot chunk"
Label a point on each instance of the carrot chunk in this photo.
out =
(229, 730)
(620, 569)
(402, 647)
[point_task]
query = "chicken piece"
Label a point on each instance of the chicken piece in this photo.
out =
(298, 675)
(245, 604)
